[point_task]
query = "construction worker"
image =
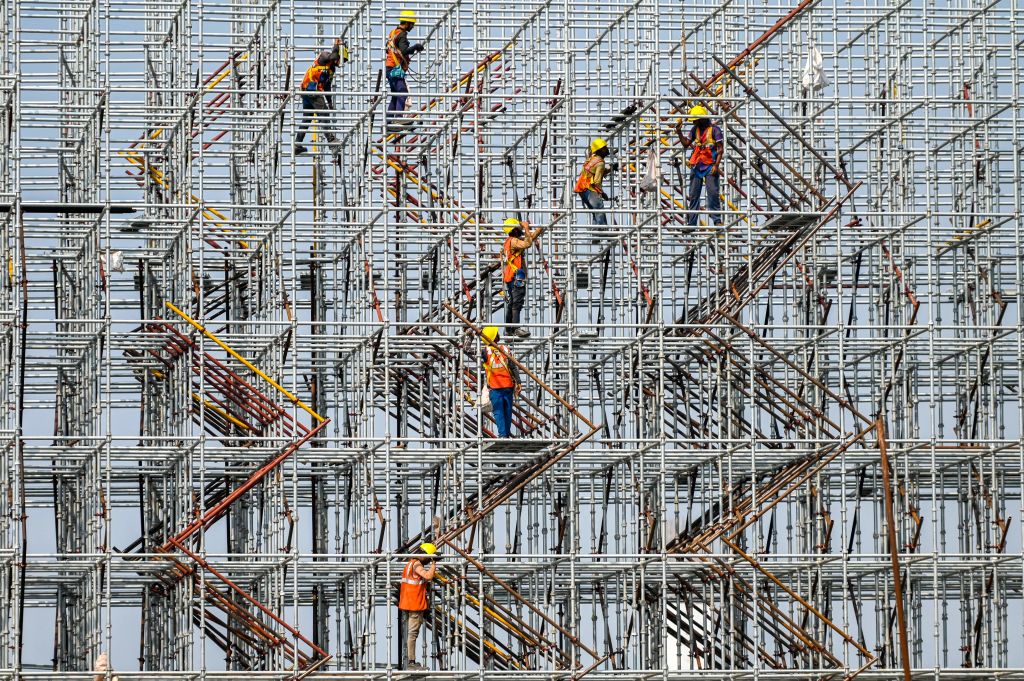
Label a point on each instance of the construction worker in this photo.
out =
(412, 598)
(513, 272)
(396, 62)
(588, 186)
(502, 379)
(704, 163)
(318, 78)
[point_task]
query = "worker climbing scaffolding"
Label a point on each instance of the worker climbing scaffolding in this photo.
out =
(589, 184)
(396, 64)
(513, 270)
(318, 79)
(502, 379)
(413, 599)
(705, 163)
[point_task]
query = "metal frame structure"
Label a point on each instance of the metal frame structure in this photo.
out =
(240, 386)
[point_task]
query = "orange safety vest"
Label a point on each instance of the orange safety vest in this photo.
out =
(412, 594)
(586, 180)
(513, 262)
(704, 152)
(498, 374)
(314, 73)
(394, 56)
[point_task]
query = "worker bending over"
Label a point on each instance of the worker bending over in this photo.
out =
(319, 78)
(396, 62)
(502, 379)
(704, 163)
(588, 186)
(513, 272)
(412, 598)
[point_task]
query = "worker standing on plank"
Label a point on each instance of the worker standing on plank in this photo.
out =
(319, 78)
(412, 598)
(513, 272)
(502, 379)
(588, 186)
(705, 163)
(396, 62)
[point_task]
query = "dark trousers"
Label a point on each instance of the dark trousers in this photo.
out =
(310, 105)
(399, 88)
(501, 409)
(515, 297)
(697, 181)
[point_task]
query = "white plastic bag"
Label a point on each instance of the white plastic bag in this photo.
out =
(116, 263)
(650, 181)
(814, 77)
(484, 401)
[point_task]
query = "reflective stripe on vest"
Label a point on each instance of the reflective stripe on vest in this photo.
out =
(394, 57)
(512, 262)
(586, 179)
(498, 374)
(412, 592)
(704, 152)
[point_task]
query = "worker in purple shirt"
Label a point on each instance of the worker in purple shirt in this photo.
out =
(708, 146)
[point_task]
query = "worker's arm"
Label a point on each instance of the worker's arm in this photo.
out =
(595, 184)
(426, 573)
(529, 237)
(514, 372)
(719, 140)
(683, 139)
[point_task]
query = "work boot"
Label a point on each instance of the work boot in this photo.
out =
(300, 150)
(415, 666)
(521, 333)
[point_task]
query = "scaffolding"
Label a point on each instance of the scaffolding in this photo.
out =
(242, 385)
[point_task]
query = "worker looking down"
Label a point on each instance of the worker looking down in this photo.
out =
(513, 272)
(412, 598)
(396, 62)
(318, 79)
(502, 379)
(705, 163)
(588, 186)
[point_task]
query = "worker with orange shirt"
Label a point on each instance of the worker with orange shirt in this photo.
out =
(412, 598)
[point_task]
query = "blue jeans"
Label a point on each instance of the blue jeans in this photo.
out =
(595, 202)
(397, 103)
(501, 408)
(697, 181)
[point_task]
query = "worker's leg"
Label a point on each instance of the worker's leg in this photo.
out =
(510, 315)
(501, 408)
(413, 622)
(320, 104)
(693, 197)
(596, 202)
(714, 196)
(398, 87)
(307, 119)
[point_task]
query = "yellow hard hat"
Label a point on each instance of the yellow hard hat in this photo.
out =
(510, 224)
(407, 15)
(597, 144)
(490, 333)
(428, 548)
(697, 112)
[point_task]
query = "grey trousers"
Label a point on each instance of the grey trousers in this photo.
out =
(413, 622)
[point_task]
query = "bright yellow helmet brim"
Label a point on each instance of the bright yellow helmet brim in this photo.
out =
(597, 144)
(697, 112)
(490, 333)
(407, 15)
(428, 548)
(510, 224)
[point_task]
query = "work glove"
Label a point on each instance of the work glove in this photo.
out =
(416, 49)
